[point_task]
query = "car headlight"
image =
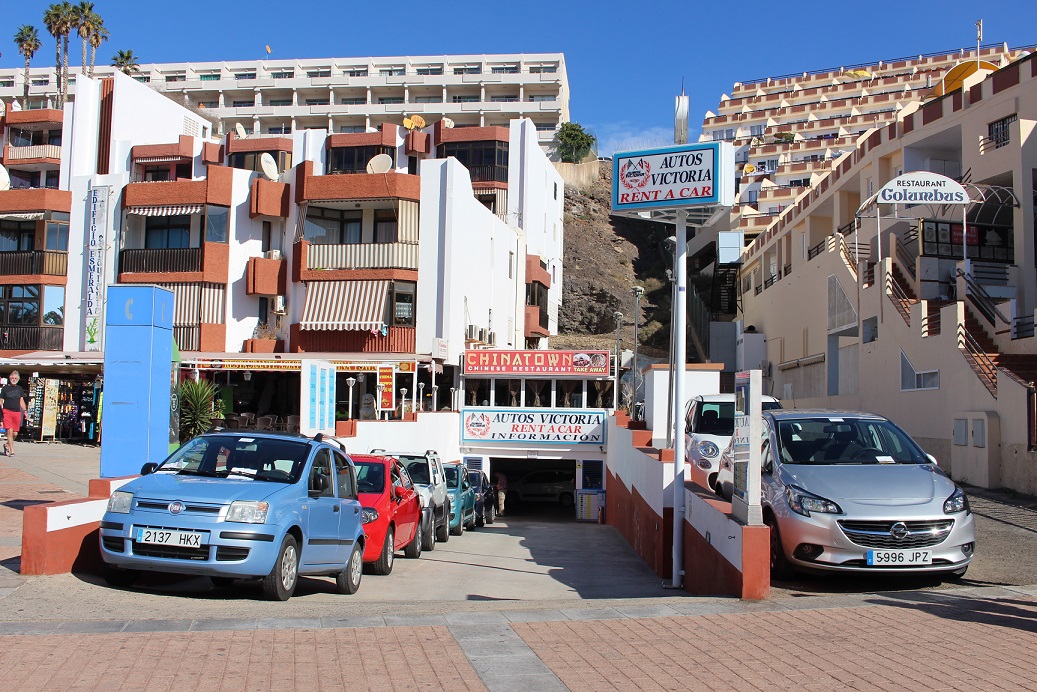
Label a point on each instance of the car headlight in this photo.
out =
(121, 501)
(956, 503)
(802, 502)
(369, 515)
(708, 449)
(248, 512)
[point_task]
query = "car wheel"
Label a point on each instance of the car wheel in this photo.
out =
(959, 574)
(348, 580)
(459, 529)
(384, 564)
(413, 549)
(428, 536)
(443, 530)
(492, 514)
(470, 525)
(567, 500)
(480, 519)
(781, 569)
(279, 585)
(120, 578)
(222, 582)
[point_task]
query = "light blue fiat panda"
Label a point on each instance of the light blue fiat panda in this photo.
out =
(240, 505)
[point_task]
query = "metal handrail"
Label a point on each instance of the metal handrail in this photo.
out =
(816, 250)
(904, 258)
(985, 367)
(899, 297)
(1022, 327)
(982, 300)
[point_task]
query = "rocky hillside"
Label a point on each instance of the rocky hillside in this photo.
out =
(604, 258)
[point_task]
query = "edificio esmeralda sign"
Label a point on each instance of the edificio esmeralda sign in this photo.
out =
(533, 425)
(686, 175)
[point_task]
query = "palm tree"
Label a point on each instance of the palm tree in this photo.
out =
(54, 21)
(126, 62)
(84, 20)
(68, 14)
(99, 36)
(28, 41)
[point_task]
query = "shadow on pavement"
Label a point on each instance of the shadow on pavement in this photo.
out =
(1014, 614)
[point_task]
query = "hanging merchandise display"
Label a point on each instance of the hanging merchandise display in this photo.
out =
(62, 409)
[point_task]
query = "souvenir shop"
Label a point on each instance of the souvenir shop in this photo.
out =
(64, 400)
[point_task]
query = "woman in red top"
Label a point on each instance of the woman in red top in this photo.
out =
(14, 409)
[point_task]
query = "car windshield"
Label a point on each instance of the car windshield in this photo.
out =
(258, 458)
(846, 440)
(718, 417)
(370, 476)
(453, 476)
(417, 467)
(473, 478)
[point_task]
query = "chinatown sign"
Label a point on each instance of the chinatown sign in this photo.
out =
(533, 425)
(679, 176)
(922, 187)
(502, 362)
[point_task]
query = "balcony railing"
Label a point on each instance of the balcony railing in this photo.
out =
(46, 262)
(31, 338)
(363, 256)
(484, 174)
(161, 260)
(37, 151)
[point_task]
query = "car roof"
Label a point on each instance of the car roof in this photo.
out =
(797, 413)
(372, 457)
(725, 398)
(258, 434)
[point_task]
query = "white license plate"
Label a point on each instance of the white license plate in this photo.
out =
(896, 558)
(183, 539)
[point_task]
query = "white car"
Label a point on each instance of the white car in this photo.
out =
(710, 423)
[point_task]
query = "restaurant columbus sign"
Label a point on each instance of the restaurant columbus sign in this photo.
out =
(540, 426)
(922, 187)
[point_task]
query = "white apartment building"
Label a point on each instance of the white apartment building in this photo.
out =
(349, 95)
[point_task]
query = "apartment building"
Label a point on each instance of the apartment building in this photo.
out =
(278, 247)
(913, 311)
(790, 131)
(350, 95)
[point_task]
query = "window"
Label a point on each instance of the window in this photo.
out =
(538, 393)
(403, 303)
(243, 104)
(249, 161)
(17, 236)
(912, 379)
(756, 130)
(332, 226)
(245, 75)
(506, 98)
(507, 392)
(354, 159)
(152, 174)
(428, 99)
(464, 99)
(217, 221)
(280, 102)
(542, 98)
(208, 104)
(209, 77)
(321, 474)
(284, 74)
(57, 236)
(543, 69)
(390, 99)
(353, 101)
(545, 127)
(356, 71)
(267, 236)
(6, 83)
(346, 486)
(318, 73)
(176, 78)
(385, 226)
(505, 69)
(352, 129)
(754, 195)
(999, 133)
(468, 69)
(569, 393)
(318, 102)
(392, 71)
(485, 161)
(143, 79)
(53, 306)
(430, 70)
(164, 232)
(20, 305)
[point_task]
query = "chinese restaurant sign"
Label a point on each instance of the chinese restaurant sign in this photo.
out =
(487, 362)
(536, 425)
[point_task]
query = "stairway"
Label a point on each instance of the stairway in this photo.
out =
(903, 294)
(932, 315)
(724, 298)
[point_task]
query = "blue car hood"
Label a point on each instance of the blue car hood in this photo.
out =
(171, 486)
(872, 482)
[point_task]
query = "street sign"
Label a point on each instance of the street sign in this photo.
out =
(745, 500)
(673, 177)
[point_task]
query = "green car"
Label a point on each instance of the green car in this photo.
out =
(462, 499)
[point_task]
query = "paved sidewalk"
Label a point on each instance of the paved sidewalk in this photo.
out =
(66, 632)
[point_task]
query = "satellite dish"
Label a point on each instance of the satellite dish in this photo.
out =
(447, 123)
(748, 168)
(5, 179)
(239, 129)
(15, 106)
(408, 123)
(372, 129)
(269, 166)
(3, 109)
(381, 163)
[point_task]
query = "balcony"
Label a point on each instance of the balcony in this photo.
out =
(266, 277)
(161, 260)
(363, 256)
(38, 153)
(396, 340)
(354, 186)
(29, 200)
(14, 266)
(215, 189)
(31, 338)
(40, 116)
(536, 321)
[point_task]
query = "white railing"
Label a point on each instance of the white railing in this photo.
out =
(363, 256)
(37, 151)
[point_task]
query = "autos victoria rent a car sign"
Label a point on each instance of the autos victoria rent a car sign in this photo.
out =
(545, 426)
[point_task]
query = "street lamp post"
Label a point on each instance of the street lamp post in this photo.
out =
(453, 395)
(381, 388)
(350, 381)
(638, 291)
(421, 396)
(435, 388)
(403, 401)
(618, 317)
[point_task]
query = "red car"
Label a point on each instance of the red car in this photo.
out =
(391, 509)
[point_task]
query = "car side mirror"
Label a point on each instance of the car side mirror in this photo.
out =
(932, 459)
(318, 485)
(768, 467)
(398, 491)
(148, 468)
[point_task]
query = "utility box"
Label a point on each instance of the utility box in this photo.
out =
(138, 357)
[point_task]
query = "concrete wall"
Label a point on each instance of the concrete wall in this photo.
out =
(580, 175)
(440, 431)
(700, 378)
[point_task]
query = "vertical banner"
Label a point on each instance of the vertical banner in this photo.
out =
(385, 378)
(96, 237)
(317, 397)
(49, 419)
(746, 445)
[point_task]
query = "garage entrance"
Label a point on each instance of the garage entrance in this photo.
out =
(543, 488)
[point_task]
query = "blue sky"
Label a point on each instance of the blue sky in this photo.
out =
(625, 60)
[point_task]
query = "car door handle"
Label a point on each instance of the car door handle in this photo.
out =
(356, 510)
(335, 508)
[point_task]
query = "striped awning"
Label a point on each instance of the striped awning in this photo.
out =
(197, 303)
(345, 305)
(26, 216)
(173, 210)
(159, 159)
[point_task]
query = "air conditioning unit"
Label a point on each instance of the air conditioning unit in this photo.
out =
(279, 306)
(483, 333)
(471, 333)
(273, 254)
(493, 339)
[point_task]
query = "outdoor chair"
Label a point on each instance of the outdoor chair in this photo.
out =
(292, 423)
(265, 423)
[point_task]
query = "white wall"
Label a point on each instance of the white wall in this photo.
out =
(246, 240)
(652, 478)
(657, 383)
(440, 431)
(463, 254)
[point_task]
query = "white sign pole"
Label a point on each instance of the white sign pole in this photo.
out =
(680, 357)
(745, 498)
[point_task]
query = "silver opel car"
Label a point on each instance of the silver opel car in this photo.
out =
(850, 491)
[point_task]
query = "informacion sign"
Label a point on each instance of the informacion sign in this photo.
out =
(97, 219)
(537, 362)
(668, 177)
(533, 426)
(745, 500)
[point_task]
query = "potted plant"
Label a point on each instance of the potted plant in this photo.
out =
(265, 339)
(199, 404)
